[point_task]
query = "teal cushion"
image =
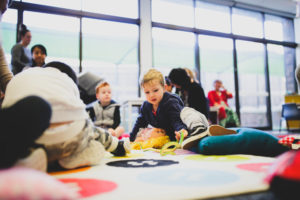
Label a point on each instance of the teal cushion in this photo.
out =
(245, 141)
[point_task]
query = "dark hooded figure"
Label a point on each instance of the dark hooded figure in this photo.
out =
(192, 93)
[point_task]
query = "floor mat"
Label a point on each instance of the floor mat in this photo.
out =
(148, 175)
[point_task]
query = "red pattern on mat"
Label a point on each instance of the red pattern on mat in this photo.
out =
(90, 187)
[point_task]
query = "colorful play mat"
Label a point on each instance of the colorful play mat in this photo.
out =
(148, 175)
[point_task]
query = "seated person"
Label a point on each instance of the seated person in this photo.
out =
(72, 140)
(218, 98)
(105, 112)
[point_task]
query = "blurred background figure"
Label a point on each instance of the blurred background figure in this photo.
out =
(191, 74)
(168, 84)
(5, 73)
(218, 98)
(20, 54)
(191, 93)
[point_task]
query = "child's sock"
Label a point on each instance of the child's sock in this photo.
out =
(21, 124)
(122, 148)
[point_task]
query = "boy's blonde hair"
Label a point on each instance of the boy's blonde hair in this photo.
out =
(101, 85)
(152, 75)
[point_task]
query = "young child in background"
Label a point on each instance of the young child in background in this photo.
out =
(106, 112)
(166, 111)
(72, 139)
(39, 54)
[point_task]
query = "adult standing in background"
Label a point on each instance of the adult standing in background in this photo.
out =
(192, 92)
(20, 54)
(5, 73)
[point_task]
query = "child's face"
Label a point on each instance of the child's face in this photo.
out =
(38, 56)
(104, 94)
(154, 92)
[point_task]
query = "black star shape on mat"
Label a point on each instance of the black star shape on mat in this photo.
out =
(137, 163)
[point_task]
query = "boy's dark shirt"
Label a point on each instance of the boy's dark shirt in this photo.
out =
(167, 116)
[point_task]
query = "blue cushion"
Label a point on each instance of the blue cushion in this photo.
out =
(245, 141)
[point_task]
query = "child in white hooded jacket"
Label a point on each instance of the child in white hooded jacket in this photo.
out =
(71, 139)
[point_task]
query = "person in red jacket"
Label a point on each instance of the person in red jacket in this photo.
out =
(218, 98)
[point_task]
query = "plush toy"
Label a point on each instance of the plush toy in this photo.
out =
(150, 138)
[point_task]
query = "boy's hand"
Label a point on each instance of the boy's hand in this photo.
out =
(178, 134)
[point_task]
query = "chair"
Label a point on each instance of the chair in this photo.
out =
(289, 111)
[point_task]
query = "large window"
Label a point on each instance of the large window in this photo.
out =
(173, 12)
(277, 81)
(128, 8)
(172, 49)
(214, 40)
(61, 37)
(216, 62)
(70, 4)
(247, 23)
(278, 28)
(8, 32)
(110, 51)
(212, 17)
(252, 84)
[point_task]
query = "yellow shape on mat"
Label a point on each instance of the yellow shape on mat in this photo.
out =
(224, 158)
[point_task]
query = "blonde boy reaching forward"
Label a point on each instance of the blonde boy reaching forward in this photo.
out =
(166, 111)
(106, 112)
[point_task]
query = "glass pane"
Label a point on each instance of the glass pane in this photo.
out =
(278, 28)
(220, 68)
(247, 23)
(70, 4)
(61, 38)
(172, 49)
(175, 12)
(8, 31)
(212, 17)
(277, 81)
(128, 8)
(252, 84)
(112, 55)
